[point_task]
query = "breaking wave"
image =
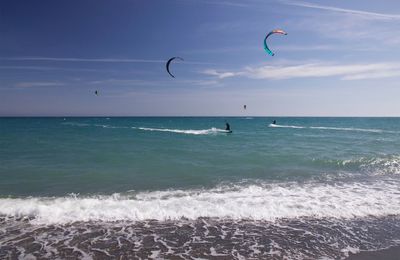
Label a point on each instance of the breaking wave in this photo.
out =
(376, 165)
(256, 201)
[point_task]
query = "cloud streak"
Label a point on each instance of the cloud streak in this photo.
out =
(220, 75)
(136, 82)
(82, 60)
(40, 68)
(98, 60)
(314, 70)
(218, 2)
(38, 84)
(363, 14)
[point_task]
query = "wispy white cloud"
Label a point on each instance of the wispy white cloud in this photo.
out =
(136, 82)
(287, 48)
(219, 2)
(326, 47)
(223, 50)
(346, 71)
(359, 32)
(100, 60)
(220, 75)
(82, 60)
(363, 14)
(314, 70)
(41, 68)
(38, 84)
(112, 81)
(307, 47)
(375, 74)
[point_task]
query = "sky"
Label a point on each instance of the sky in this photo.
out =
(339, 58)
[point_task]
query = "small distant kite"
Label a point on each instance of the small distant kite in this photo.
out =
(96, 92)
(169, 62)
(244, 107)
(266, 37)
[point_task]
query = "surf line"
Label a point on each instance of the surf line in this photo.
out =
(333, 128)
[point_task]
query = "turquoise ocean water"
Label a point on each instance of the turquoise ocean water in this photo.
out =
(57, 156)
(335, 171)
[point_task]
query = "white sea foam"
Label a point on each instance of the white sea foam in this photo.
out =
(285, 126)
(110, 126)
(376, 165)
(259, 202)
(212, 130)
(335, 128)
(182, 131)
(351, 129)
(216, 130)
(382, 166)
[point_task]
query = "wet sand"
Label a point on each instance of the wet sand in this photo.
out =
(205, 238)
(392, 253)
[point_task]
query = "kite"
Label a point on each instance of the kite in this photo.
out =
(169, 62)
(266, 37)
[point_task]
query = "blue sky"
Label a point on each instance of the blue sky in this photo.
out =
(340, 58)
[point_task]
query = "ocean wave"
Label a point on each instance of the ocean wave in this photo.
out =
(377, 165)
(257, 201)
(373, 166)
(182, 131)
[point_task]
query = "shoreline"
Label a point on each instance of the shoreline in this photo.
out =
(391, 253)
(205, 238)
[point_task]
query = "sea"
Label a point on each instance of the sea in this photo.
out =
(184, 188)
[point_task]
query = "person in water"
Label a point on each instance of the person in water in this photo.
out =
(227, 126)
(274, 122)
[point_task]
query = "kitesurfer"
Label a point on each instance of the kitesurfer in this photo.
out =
(227, 126)
(274, 122)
